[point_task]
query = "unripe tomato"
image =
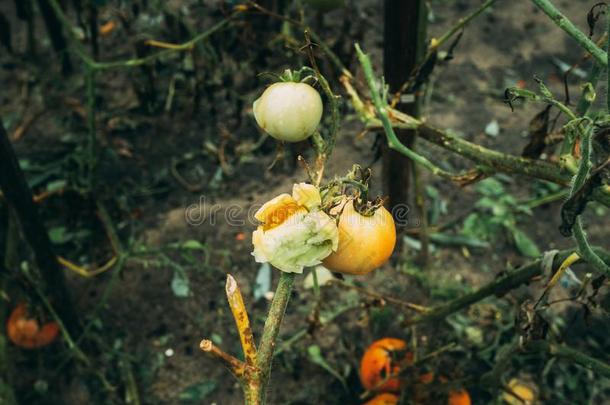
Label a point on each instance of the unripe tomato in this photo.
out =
(365, 242)
(380, 361)
(383, 399)
(289, 111)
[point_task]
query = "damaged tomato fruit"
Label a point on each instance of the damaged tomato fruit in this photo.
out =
(27, 332)
(365, 241)
(381, 362)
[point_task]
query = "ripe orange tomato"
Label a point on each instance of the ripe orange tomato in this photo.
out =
(459, 397)
(383, 399)
(380, 361)
(365, 242)
(26, 332)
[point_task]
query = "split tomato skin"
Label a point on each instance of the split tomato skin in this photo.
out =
(289, 111)
(383, 399)
(365, 242)
(26, 332)
(379, 361)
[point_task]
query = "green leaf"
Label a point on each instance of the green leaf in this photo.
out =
(59, 235)
(524, 244)
(197, 392)
(192, 245)
(180, 285)
(56, 185)
(490, 187)
(315, 356)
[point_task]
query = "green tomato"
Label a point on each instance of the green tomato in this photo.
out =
(325, 5)
(289, 111)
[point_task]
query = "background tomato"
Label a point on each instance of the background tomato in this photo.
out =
(381, 360)
(383, 399)
(25, 331)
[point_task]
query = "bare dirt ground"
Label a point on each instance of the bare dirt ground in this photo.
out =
(160, 331)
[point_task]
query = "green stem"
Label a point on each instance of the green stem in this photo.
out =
(580, 237)
(272, 327)
(497, 287)
(547, 199)
(90, 62)
(565, 24)
(497, 160)
(567, 353)
(381, 106)
(462, 22)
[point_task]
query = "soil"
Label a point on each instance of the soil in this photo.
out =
(142, 321)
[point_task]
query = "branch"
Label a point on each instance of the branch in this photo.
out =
(381, 106)
(235, 366)
(272, 324)
(498, 287)
(240, 314)
(565, 24)
(89, 61)
(19, 196)
(581, 177)
(379, 297)
(462, 22)
(495, 160)
(567, 353)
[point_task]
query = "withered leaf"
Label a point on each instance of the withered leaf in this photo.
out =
(538, 130)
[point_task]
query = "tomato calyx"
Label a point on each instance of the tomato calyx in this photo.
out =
(304, 75)
(353, 186)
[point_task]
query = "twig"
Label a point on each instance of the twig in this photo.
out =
(382, 298)
(186, 46)
(325, 48)
(437, 43)
(497, 287)
(567, 353)
(565, 24)
(235, 366)
(272, 326)
(498, 161)
(240, 314)
(381, 107)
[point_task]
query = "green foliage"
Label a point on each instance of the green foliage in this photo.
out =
(197, 392)
(498, 212)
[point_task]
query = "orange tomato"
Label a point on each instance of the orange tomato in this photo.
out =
(365, 242)
(383, 399)
(380, 361)
(459, 397)
(26, 332)
(107, 28)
